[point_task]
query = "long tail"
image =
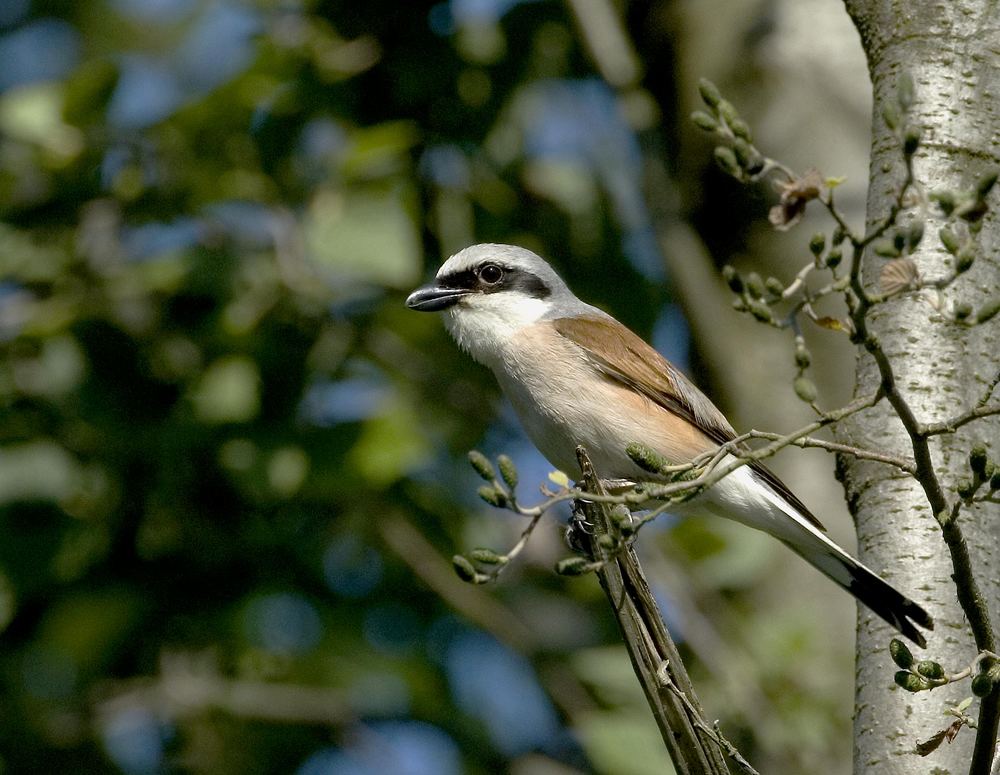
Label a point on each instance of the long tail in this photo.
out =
(867, 586)
(748, 499)
(884, 599)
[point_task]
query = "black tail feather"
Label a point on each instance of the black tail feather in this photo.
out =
(889, 603)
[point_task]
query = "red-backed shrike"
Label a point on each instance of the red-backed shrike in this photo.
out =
(576, 376)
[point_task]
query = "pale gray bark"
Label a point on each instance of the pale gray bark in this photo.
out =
(952, 51)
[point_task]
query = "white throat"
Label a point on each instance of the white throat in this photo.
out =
(486, 325)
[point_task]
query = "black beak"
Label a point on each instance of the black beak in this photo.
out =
(432, 298)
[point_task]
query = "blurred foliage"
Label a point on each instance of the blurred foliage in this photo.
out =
(218, 422)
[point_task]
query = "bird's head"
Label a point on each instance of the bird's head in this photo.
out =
(490, 292)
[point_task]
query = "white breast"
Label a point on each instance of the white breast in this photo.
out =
(563, 401)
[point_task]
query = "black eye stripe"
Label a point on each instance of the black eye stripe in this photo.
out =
(514, 279)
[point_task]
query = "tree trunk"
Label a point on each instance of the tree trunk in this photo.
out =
(952, 52)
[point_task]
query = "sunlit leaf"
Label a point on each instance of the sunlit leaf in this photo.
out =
(559, 478)
(287, 470)
(624, 742)
(392, 445)
(34, 114)
(228, 391)
(833, 324)
(369, 237)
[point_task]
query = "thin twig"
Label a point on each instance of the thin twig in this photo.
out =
(832, 446)
(988, 393)
(982, 409)
(712, 731)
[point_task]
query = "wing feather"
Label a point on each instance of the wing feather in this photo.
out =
(620, 355)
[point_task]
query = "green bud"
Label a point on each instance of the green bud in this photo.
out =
(886, 249)
(748, 156)
(742, 150)
(704, 121)
(818, 243)
(905, 91)
(606, 542)
(985, 184)
(982, 684)
(647, 459)
(945, 200)
(899, 239)
(928, 668)
(912, 683)
(962, 310)
(949, 239)
(619, 514)
(900, 653)
(833, 258)
(966, 488)
(978, 460)
(572, 566)
(774, 286)
(911, 140)
(965, 258)
(732, 278)
(709, 93)
(508, 471)
(463, 568)
(726, 160)
(728, 112)
(487, 557)
(802, 356)
(839, 235)
(805, 389)
(988, 310)
(972, 210)
(482, 465)
(890, 114)
(914, 234)
(739, 305)
(755, 286)
(741, 129)
(492, 496)
(995, 481)
(760, 310)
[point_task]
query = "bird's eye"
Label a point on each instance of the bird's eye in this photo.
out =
(491, 274)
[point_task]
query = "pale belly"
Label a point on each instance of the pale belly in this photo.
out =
(605, 417)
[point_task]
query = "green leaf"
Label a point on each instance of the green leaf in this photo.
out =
(392, 445)
(33, 114)
(623, 742)
(287, 470)
(367, 236)
(228, 391)
(559, 478)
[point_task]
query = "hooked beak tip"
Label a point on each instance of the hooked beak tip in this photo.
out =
(432, 298)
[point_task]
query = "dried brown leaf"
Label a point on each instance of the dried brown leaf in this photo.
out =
(945, 735)
(795, 194)
(898, 275)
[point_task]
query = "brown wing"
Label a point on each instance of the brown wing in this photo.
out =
(622, 356)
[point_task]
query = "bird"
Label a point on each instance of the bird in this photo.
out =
(577, 376)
